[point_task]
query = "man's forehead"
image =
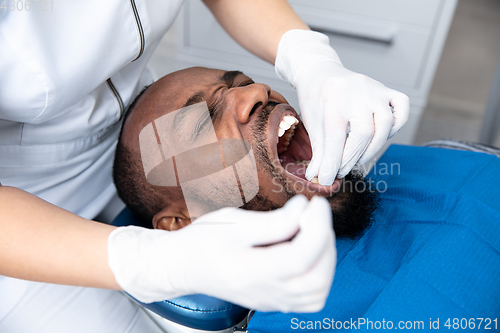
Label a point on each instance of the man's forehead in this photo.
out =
(197, 76)
(168, 94)
(180, 84)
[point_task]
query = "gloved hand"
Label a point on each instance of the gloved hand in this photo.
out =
(217, 256)
(330, 97)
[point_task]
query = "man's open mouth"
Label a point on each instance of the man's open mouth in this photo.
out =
(293, 149)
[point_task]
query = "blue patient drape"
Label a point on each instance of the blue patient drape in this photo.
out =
(433, 251)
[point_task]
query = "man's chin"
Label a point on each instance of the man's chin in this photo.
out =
(352, 206)
(261, 203)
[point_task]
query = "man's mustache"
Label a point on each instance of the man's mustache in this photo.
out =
(261, 124)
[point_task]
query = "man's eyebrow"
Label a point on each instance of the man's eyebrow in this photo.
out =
(196, 98)
(229, 76)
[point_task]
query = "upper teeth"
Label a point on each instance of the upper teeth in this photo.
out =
(285, 132)
(286, 123)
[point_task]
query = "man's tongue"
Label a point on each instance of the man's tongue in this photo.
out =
(297, 168)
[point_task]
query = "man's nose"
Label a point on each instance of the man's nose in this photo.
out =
(246, 99)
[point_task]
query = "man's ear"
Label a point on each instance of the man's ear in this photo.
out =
(170, 220)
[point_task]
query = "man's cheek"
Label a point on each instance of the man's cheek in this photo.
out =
(277, 186)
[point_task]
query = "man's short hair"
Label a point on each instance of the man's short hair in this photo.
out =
(142, 200)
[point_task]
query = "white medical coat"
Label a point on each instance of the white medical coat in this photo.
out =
(66, 76)
(59, 116)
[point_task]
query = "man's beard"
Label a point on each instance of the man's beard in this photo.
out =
(352, 208)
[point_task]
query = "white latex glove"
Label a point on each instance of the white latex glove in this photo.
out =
(331, 97)
(216, 256)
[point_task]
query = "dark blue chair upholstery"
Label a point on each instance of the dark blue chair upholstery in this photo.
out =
(195, 311)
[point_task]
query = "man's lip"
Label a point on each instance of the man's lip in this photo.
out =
(313, 187)
(275, 118)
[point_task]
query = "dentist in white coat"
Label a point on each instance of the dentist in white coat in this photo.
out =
(68, 71)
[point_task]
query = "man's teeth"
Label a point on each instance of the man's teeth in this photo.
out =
(286, 123)
(285, 132)
(290, 120)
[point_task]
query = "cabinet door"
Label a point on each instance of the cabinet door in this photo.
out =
(415, 12)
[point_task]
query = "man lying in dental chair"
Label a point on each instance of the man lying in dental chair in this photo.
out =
(200, 139)
(195, 109)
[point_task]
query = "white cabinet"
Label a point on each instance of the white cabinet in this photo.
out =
(415, 12)
(397, 42)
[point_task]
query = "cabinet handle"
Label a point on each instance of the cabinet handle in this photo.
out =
(375, 32)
